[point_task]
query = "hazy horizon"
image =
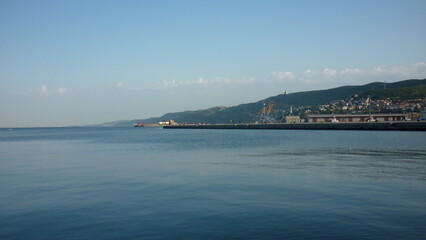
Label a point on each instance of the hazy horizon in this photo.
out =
(118, 120)
(70, 63)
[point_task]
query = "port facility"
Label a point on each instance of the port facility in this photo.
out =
(396, 126)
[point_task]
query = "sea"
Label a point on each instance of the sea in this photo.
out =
(154, 183)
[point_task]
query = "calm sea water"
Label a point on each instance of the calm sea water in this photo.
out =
(150, 183)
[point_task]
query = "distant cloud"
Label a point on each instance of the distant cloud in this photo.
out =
(218, 81)
(357, 75)
(329, 72)
(171, 83)
(415, 70)
(283, 75)
(349, 71)
(292, 81)
(61, 90)
(120, 85)
(44, 91)
(325, 75)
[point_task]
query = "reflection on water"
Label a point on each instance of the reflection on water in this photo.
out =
(126, 183)
(387, 164)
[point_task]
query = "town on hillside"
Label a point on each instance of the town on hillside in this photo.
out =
(407, 109)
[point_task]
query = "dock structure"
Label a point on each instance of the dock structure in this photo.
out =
(392, 126)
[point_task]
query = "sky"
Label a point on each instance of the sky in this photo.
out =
(72, 63)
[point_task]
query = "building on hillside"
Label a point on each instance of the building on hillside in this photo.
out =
(292, 119)
(374, 117)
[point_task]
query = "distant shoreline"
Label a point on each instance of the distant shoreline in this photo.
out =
(387, 126)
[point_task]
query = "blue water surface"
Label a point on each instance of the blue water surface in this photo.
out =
(153, 183)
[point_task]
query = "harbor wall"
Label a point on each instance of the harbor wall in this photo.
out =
(396, 126)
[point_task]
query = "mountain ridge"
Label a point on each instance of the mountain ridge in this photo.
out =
(248, 112)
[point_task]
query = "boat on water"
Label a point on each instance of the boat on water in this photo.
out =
(139, 124)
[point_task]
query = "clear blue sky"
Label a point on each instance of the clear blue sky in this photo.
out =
(83, 62)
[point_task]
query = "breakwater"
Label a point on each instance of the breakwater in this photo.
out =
(395, 126)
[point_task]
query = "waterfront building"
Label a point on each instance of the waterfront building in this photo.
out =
(375, 117)
(167, 122)
(292, 119)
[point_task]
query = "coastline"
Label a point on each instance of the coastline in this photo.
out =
(382, 126)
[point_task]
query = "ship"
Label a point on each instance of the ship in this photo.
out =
(139, 124)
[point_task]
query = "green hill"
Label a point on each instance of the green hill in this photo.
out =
(249, 112)
(396, 94)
